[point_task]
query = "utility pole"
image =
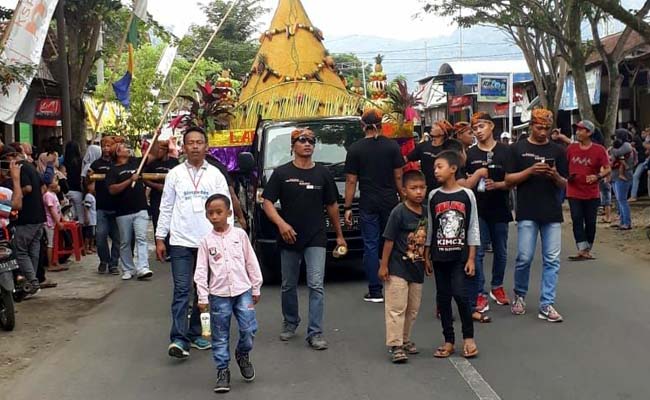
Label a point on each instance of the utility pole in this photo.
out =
(363, 74)
(426, 58)
(63, 66)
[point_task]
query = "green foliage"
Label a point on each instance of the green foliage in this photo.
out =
(350, 66)
(5, 13)
(234, 47)
(145, 112)
(10, 74)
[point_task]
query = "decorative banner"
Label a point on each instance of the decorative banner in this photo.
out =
(164, 66)
(140, 9)
(569, 96)
(492, 89)
(231, 138)
(458, 102)
(24, 45)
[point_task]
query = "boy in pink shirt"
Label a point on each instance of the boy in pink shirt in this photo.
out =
(228, 281)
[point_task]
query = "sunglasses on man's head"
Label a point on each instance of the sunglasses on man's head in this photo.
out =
(305, 139)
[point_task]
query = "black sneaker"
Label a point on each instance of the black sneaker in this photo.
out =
(223, 381)
(317, 342)
(374, 298)
(102, 269)
(245, 367)
(287, 332)
(113, 270)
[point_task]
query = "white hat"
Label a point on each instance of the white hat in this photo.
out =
(505, 135)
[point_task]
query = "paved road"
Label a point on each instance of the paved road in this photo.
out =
(600, 352)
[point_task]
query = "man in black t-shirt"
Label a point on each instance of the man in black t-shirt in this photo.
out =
(485, 166)
(29, 223)
(162, 163)
(376, 163)
(109, 258)
(304, 189)
(427, 152)
(130, 212)
(539, 169)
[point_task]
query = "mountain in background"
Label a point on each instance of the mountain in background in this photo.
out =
(417, 59)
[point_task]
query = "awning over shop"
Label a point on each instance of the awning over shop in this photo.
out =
(458, 102)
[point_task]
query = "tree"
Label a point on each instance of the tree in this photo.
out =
(234, 47)
(350, 66)
(631, 18)
(559, 24)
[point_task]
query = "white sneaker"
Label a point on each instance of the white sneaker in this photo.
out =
(126, 276)
(144, 273)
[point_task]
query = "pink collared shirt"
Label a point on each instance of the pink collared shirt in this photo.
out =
(234, 268)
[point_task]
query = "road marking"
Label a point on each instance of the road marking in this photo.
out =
(475, 381)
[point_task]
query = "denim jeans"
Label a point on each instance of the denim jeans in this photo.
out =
(183, 260)
(372, 229)
(497, 232)
(221, 311)
(584, 214)
(27, 240)
(605, 193)
(315, 268)
(128, 225)
(621, 190)
(636, 178)
(107, 227)
(551, 234)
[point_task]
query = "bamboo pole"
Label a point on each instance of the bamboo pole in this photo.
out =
(115, 64)
(180, 87)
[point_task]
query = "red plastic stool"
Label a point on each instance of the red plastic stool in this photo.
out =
(77, 241)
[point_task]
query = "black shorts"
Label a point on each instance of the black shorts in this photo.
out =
(88, 232)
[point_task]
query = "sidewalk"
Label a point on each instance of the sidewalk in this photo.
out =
(49, 317)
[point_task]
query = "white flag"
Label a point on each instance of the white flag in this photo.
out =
(140, 9)
(165, 65)
(25, 40)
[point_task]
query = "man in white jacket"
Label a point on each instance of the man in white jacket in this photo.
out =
(182, 216)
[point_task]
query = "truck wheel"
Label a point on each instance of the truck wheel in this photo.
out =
(7, 313)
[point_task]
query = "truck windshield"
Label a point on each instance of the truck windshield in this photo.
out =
(332, 141)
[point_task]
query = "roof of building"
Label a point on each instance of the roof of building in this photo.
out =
(469, 70)
(634, 44)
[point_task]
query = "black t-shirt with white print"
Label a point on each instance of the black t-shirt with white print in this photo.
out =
(452, 225)
(132, 199)
(303, 196)
(493, 204)
(538, 198)
(426, 153)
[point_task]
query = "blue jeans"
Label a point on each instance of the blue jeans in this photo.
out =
(372, 229)
(551, 234)
(605, 193)
(107, 227)
(497, 232)
(621, 190)
(636, 178)
(315, 268)
(183, 260)
(128, 225)
(221, 311)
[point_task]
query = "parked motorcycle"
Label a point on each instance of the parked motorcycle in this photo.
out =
(8, 265)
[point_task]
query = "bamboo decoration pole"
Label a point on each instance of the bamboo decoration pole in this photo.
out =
(115, 64)
(180, 87)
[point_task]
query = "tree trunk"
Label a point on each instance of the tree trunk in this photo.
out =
(559, 85)
(611, 108)
(78, 118)
(582, 89)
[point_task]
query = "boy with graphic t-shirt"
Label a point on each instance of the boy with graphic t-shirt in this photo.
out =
(402, 266)
(452, 238)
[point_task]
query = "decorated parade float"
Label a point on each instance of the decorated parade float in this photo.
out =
(292, 77)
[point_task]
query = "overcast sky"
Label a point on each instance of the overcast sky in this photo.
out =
(337, 18)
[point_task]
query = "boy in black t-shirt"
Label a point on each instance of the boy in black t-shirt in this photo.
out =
(452, 238)
(402, 266)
